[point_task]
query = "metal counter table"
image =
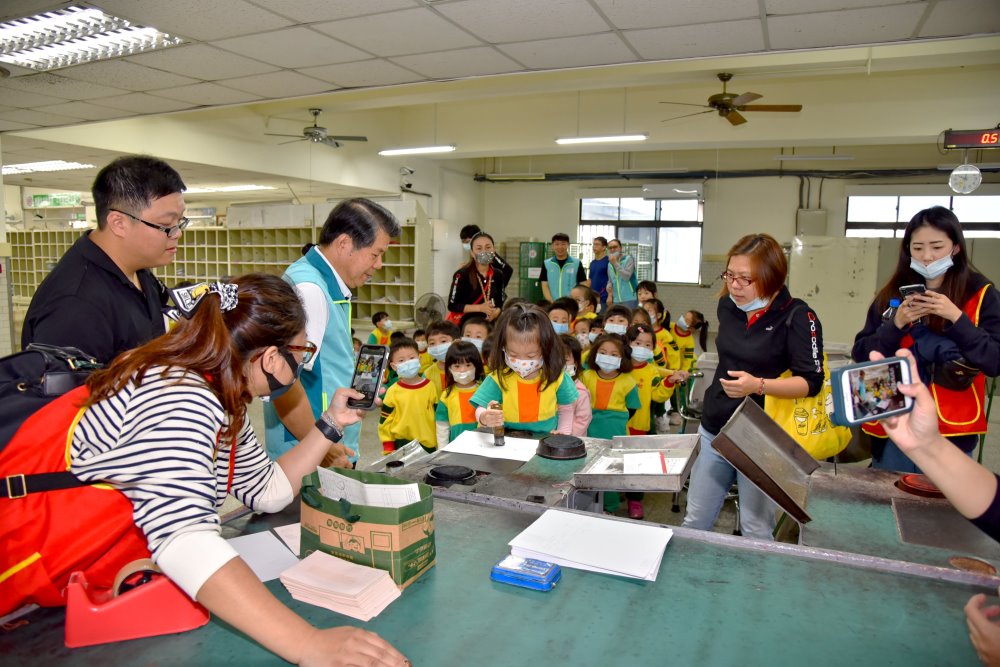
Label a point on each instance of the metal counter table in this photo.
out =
(718, 600)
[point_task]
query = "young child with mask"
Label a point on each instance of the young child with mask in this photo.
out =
(380, 335)
(476, 329)
(408, 405)
(463, 373)
(440, 336)
(581, 409)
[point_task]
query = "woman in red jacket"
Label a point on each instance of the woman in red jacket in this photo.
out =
(953, 328)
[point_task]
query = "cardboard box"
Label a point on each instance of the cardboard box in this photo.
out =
(397, 540)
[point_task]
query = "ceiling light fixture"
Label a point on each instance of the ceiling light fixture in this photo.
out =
(73, 36)
(49, 165)
(818, 158)
(617, 138)
(515, 176)
(420, 150)
(197, 190)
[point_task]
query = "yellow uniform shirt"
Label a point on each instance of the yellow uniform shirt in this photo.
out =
(425, 361)
(526, 405)
(671, 353)
(652, 387)
(455, 407)
(610, 401)
(379, 337)
(435, 374)
(685, 341)
(408, 414)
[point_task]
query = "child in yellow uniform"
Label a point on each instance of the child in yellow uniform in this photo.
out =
(476, 329)
(408, 405)
(682, 331)
(652, 386)
(455, 414)
(614, 396)
(560, 316)
(586, 302)
(661, 326)
(420, 338)
(382, 331)
(439, 338)
(528, 379)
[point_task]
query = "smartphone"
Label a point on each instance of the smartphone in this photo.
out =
(869, 391)
(907, 290)
(369, 370)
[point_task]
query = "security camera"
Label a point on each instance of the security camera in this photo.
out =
(405, 171)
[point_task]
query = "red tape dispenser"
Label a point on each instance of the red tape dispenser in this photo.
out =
(143, 602)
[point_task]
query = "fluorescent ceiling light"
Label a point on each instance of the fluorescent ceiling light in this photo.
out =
(653, 172)
(566, 141)
(416, 151)
(50, 165)
(820, 158)
(73, 36)
(197, 190)
(514, 176)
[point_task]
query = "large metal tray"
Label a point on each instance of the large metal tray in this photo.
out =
(606, 470)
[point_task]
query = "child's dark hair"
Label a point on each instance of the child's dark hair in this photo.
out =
(647, 285)
(357, 341)
(620, 310)
(527, 319)
(567, 304)
(619, 342)
(461, 352)
(396, 335)
(590, 295)
(701, 324)
(597, 322)
(514, 300)
(476, 318)
(634, 330)
(379, 316)
(444, 327)
(419, 332)
(543, 304)
(574, 348)
(403, 343)
(641, 312)
(661, 311)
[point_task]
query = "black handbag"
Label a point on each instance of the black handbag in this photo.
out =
(956, 375)
(35, 376)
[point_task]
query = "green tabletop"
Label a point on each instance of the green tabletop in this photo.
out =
(712, 604)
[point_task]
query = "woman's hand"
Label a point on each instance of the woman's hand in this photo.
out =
(742, 384)
(906, 314)
(934, 303)
(918, 428)
(341, 414)
(983, 629)
(492, 312)
(336, 647)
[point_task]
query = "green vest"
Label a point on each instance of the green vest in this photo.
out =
(561, 279)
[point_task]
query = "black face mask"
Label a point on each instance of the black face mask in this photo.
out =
(275, 385)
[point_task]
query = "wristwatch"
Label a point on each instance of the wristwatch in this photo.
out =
(329, 428)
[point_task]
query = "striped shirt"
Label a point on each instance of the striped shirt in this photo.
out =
(158, 444)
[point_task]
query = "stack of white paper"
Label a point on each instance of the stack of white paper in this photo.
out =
(481, 444)
(336, 486)
(591, 542)
(347, 588)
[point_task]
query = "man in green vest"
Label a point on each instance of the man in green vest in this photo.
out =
(354, 237)
(621, 276)
(561, 273)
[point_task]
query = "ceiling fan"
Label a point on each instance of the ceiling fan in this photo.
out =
(729, 105)
(317, 134)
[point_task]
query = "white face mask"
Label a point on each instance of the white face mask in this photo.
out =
(467, 247)
(682, 324)
(584, 339)
(619, 329)
(408, 369)
(592, 336)
(607, 363)
(756, 304)
(523, 367)
(560, 328)
(438, 351)
(641, 354)
(937, 268)
(385, 325)
(463, 377)
(422, 345)
(478, 342)
(571, 370)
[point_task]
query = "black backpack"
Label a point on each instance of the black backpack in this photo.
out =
(35, 376)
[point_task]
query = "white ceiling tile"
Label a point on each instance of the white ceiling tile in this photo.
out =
(399, 33)
(15, 9)
(364, 73)
(638, 14)
(695, 41)
(36, 117)
(124, 74)
(311, 11)
(279, 84)
(144, 103)
(570, 51)
(202, 61)
(461, 63)
(778, 7)
(25, 100)
(854, 26)
(521, 20)
(85, 110)
(293, 47)
(206, 93)
(10, 125)
(197, 19)
(59, 86)
(962, 17)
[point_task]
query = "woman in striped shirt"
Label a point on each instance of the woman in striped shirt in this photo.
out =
(166, 425)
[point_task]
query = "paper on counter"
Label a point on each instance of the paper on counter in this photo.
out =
(591, 542)
(347, 588)
(336, 486)
(481, 444)
(652, 463)
(265, 555)
(292, 536)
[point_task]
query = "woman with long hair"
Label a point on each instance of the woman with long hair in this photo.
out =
(951, 323)
(763, 332)
(480, 285)
(149, 449)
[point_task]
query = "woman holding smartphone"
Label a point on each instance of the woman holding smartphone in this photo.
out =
(952, 326)
(763, 332)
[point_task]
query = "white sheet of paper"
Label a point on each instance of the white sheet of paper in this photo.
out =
(292, 536)
(264, 553)
(652, 463)
(481, 444)
(336, 486)
(591, 542)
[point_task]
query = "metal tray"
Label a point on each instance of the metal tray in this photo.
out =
(606, 470)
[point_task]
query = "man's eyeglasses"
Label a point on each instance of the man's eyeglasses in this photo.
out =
(733, 278)
(171, 232)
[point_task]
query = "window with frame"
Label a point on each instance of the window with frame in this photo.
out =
(886, 216)
(666, 233)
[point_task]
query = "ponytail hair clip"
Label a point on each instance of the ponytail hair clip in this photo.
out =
(187, 299)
